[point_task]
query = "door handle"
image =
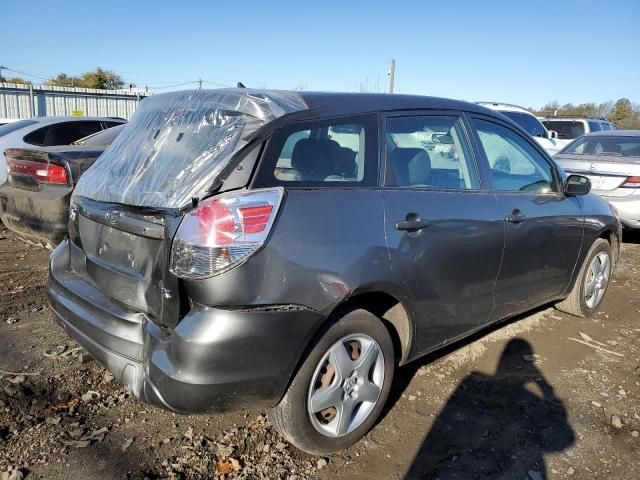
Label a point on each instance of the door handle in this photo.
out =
(411, 225)
(516, 217)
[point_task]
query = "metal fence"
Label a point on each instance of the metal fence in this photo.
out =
(26, 101)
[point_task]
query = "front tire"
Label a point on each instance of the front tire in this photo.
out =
(341, 388)
(592, 282)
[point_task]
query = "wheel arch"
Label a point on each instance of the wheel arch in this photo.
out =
(611, 236)
(391, 310)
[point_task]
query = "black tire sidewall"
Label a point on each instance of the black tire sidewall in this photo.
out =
(600, 246)
(305, 436)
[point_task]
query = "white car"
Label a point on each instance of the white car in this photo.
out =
(48, 132)
(611, 160)
(527, 120)
(570, 128)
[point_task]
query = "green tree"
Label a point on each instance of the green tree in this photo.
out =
(622, 113)
(98, 78)
(103, 79)
(19, 80)
(63, 80)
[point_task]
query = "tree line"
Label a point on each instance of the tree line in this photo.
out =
(98, 78)
(624, 113)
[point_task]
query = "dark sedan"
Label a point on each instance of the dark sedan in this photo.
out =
(34, 201)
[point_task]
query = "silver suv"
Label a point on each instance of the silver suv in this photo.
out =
(570, 128)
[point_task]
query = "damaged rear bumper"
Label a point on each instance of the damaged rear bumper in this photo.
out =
(214, 360)
(37, 216)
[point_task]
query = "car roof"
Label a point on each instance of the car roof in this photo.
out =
(56, 119)
(508, 107)
(615, 133)
(574, 119)
(334, 103)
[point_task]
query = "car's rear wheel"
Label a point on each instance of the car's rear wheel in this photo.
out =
(592, 282)
(341, 388)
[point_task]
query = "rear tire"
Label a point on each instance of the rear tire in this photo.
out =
(592, 282)
(362, 350)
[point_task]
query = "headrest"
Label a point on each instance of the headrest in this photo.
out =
(314, 158)
(411, 166)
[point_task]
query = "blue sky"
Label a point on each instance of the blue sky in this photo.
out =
(527, 53)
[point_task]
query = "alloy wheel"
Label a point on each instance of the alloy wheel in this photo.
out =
(346, 385)
(597, 279)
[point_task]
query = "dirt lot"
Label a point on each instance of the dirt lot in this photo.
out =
(544, 396)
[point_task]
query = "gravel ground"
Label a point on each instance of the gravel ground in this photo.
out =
(543, 396)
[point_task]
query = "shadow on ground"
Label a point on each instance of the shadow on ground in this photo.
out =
(496, 426)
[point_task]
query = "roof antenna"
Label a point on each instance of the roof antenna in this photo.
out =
(240, 85)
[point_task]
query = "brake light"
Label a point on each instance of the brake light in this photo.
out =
(223, 232)
(43, 172)
(631, 182)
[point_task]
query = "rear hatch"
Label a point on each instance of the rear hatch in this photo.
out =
(606, 173)
(124, 252)
(128, 206)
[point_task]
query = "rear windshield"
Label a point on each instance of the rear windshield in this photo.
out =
(566, 128)
(527, 121)
(13, 126)
(101, 139)
(606, 146)
(177, 143)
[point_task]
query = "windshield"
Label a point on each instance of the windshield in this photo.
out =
(177, 143)
(527, 121)
(13, 126)
(101, 139)
(606, 146)
(566, 129)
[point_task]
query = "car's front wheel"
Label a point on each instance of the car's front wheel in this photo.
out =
(341, 388)
(592, 282)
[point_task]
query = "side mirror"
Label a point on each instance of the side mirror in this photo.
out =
(553, 135)
(577, 185)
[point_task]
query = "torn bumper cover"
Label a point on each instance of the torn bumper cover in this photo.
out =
(214, 360)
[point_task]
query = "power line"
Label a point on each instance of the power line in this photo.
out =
(25, 73)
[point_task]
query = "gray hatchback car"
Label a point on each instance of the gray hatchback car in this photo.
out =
(282, 250)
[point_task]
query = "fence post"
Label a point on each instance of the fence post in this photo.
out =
(31, 108)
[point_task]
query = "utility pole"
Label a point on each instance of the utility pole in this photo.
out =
(199, 84)
(392, 75)
(1, 67)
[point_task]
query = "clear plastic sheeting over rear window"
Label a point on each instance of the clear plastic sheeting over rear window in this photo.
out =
(178, 143)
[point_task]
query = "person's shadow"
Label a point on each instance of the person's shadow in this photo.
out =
(496, 426)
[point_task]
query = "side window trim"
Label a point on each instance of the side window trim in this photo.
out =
(485, 161)
(468, 137)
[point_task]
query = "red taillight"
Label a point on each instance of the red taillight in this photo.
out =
(255, 219)
(43, 172)
(631, 182)
(223, 231)
(215, 219)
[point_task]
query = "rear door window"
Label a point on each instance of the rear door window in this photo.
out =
(340, 152)
(515, 165)
(37, 137)
(111, 124)
(594, 126)
(103, 138)
(429, 152)
(66, 133)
